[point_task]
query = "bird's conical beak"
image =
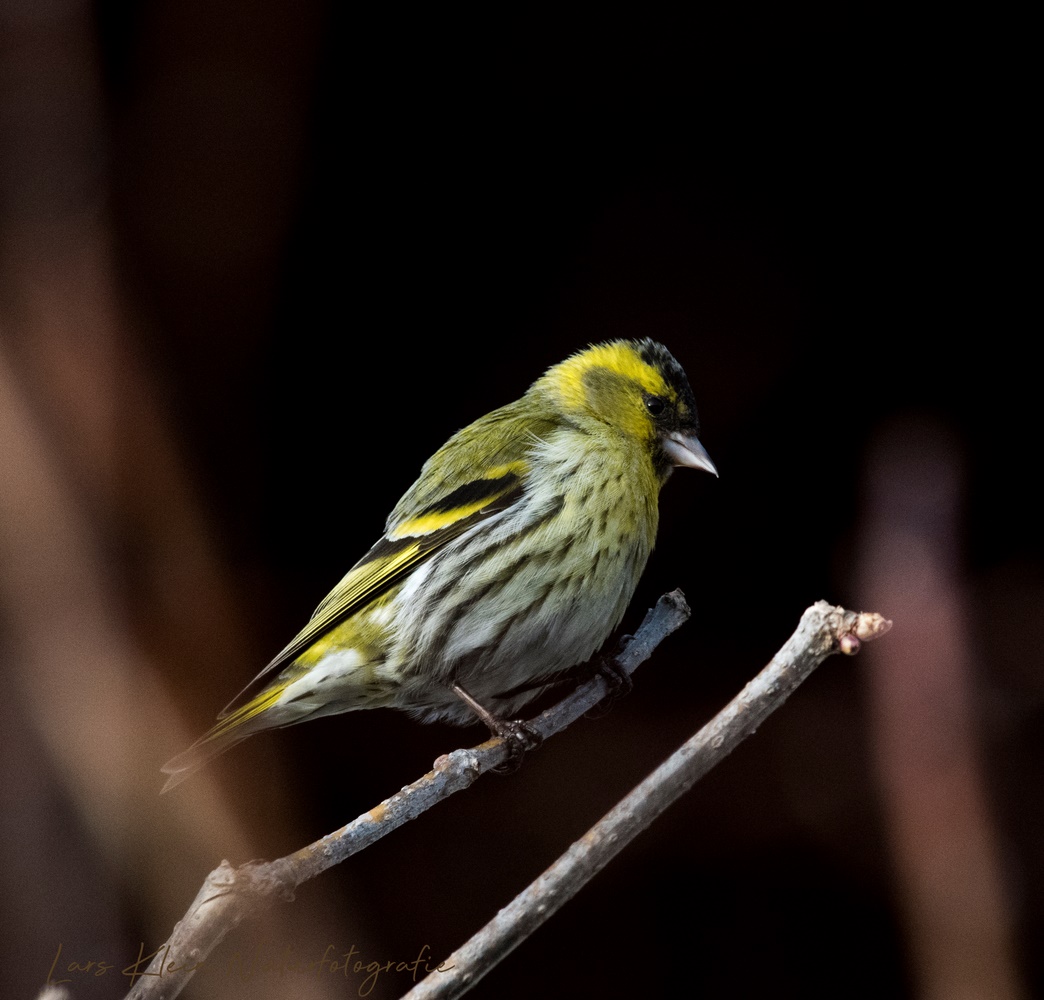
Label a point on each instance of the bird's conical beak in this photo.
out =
(686, 450)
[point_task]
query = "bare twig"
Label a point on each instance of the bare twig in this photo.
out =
(823, 630)
(229, 895)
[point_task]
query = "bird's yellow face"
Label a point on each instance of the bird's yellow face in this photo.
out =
(638, 388)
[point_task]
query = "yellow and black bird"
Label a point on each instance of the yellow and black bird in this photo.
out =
(508, 562)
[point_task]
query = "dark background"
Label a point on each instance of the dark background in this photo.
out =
(335, 238)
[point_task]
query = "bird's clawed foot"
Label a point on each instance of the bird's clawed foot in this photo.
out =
(518, 739)
(617, 681)
(517, 736)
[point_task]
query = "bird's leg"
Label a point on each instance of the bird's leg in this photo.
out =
(517, 736)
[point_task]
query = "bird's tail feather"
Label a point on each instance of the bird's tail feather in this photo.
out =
(253, 717)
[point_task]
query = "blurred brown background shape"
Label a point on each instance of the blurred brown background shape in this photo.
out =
(258, 261)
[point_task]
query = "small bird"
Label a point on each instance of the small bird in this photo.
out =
(507, 563)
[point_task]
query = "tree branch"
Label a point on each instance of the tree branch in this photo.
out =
(823, 630)
(229, 895)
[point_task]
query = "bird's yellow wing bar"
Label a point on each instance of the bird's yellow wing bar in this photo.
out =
(391, 559)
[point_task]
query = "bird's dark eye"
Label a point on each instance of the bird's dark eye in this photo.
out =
(655, 405)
